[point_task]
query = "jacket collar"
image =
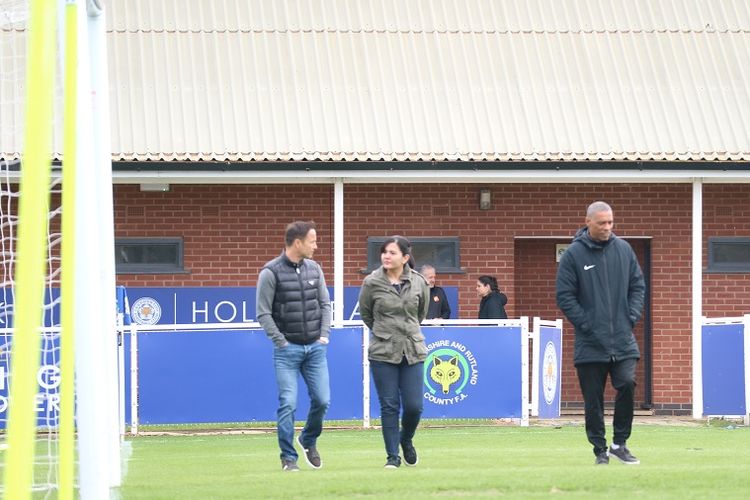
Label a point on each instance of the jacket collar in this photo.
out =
(286, 260)
(405, 276)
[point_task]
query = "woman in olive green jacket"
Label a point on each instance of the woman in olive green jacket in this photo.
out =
(393, 302)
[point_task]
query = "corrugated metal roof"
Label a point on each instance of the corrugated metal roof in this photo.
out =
(441, 16)
(429, 80)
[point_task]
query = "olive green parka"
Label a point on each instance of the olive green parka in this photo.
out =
(393, 317)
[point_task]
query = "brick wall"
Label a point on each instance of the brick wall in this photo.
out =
(726, 213)
(231, 230)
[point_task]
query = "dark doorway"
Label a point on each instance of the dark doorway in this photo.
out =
(535, 271)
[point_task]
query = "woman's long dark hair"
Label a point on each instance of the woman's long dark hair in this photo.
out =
(403, 244)
(489, 280)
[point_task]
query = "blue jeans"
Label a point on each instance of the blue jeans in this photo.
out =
(310, 361)
(398, 386)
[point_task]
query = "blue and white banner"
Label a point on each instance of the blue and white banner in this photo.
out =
(228, 376)
(549, 368)
(51, 307)
(47, 399)
(470, 372)
(198, 305)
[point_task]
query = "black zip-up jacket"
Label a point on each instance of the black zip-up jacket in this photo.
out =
(439, 307)
(492, 306)
(600, 289)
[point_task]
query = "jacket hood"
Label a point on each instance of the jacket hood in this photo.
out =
(582, 236)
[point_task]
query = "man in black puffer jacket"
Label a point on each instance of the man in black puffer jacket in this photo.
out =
(294, 308)
(600, 289)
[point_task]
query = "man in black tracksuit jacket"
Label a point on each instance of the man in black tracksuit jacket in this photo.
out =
(600, 289)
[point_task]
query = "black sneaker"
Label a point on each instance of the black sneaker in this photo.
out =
(289, 465)
(392, 463)
(312, 457)
(602, 458)
(410, 454)
(624, 455)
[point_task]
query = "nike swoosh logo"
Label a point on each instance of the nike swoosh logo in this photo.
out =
(586, 268)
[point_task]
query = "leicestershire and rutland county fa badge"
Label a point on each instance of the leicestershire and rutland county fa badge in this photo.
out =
(449, 368)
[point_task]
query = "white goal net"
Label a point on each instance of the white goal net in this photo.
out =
(13, 59)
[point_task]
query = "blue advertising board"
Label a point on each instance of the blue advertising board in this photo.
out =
(549, 367)
(228, 376)
(470, 372)
(723, 369)
(51, 307)
(203, 305)
(47, 399)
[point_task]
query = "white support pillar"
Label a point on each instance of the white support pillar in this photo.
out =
(746, 340)
(366, 396)
(697, 299)
(535, 354)
(525, 406)
(133, 379)
(338, 252)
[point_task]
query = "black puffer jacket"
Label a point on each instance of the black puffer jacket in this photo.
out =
(298, 308)
(600, 289)
(492, 306)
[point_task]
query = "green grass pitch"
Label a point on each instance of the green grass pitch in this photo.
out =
(470, 462)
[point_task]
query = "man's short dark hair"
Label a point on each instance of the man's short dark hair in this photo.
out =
(298, 230)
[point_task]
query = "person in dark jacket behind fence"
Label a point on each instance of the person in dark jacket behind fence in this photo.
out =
(439, 307)
(393, 302)
(600, 289)
(493, 301)
(293, 307)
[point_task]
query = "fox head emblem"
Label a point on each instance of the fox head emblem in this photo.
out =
(445, 372)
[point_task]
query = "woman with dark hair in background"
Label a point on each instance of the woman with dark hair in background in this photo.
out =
(493, 301)
(393, 302)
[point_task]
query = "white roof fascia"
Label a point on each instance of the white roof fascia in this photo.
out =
(551, 176)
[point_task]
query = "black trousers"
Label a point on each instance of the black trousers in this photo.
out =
(593, 378)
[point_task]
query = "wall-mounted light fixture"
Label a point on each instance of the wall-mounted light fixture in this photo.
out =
(161, 187)
(485, 199)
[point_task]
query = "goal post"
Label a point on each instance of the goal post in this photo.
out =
(59, 405)
(98, 416)
(32, 247)
(68, 254)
